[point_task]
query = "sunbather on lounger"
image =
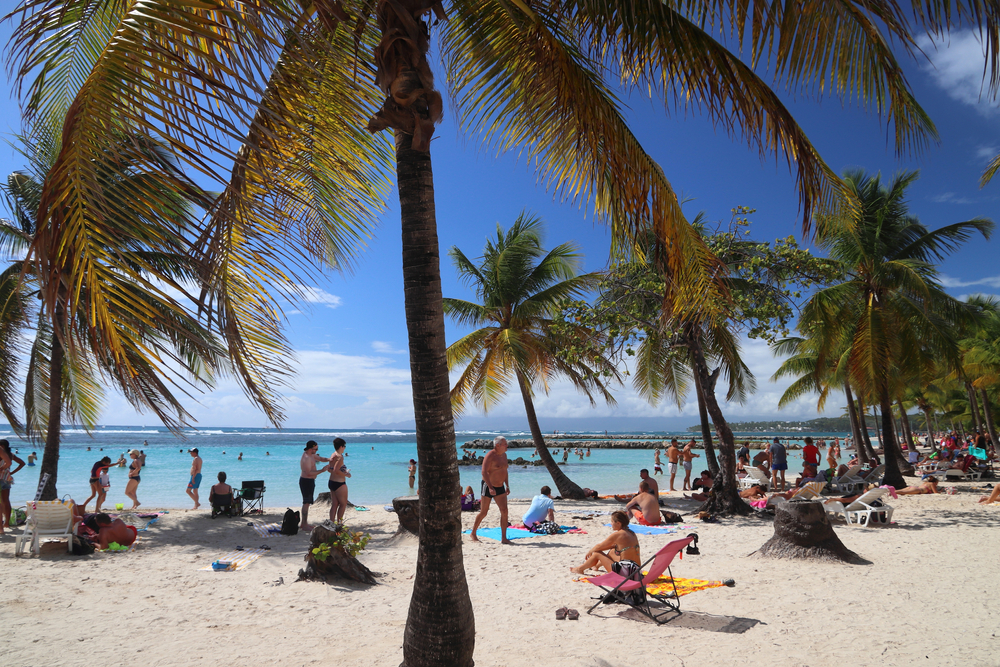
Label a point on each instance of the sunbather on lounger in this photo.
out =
(930, 486)
(992, 498)
(621, 546)
(754, 492)
(645, 508)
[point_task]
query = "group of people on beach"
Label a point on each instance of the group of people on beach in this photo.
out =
(337, 484)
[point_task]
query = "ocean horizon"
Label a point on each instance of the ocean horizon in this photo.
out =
(377, 458)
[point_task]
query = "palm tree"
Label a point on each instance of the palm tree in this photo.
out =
(144, 341)
(522, 288)
(272, 99)
(891, 306)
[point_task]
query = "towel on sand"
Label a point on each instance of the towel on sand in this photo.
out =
(238, 560)
(649, 530)
(265, 529)
(662, 585)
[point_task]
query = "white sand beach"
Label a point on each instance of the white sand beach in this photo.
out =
(927, 598)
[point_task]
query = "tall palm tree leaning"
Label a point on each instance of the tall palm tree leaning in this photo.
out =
(891, 306)
(121, 322)
(521, 288)
(272, 100)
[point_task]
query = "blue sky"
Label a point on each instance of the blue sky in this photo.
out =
(351, 340)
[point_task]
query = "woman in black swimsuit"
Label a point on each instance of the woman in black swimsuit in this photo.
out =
(338, 481)
(619, 552)
(133, 478)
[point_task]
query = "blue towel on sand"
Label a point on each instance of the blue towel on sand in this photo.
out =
(494, 533)
(649, 530)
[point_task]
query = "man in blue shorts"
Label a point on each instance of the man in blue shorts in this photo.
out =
(195, 482)
(777, 459)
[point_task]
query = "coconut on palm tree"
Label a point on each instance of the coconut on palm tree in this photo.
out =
(891, 305)
(521, 288)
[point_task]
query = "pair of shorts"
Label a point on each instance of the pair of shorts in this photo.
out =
(673, 468)
(641, 520)
(333, 486)
(307, 487)
(5, 485)
(687, 466)
(779, 466)
(195, 482)
(657, 469)
(492, 491)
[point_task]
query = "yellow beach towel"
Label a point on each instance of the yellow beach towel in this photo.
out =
(662, 585)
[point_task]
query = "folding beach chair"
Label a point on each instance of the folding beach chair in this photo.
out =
(47, 519)
(225, 505)
(618, 587)
(848, 483)
(252, 496)
(864, 511)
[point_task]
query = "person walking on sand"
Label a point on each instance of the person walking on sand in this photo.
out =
(132, 487)
(687, 455)
(495, 486)
(412, 470)
(673, 455)
(339, 473)
(195, 482)
(307, 479)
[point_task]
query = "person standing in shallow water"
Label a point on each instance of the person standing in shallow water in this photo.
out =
(307, 479)
(495, 486)
(412, 469)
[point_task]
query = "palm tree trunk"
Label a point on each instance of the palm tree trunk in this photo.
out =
(977, 420)
(930, 429)
(706, 429)
(440, 627)
(852, 413)
(891, 451)
(866, 441)
(724, 498)
(53, 429)
(904, 423)
(567, 487)
(989, 417)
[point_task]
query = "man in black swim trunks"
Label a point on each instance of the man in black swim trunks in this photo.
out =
(495, 486)
(307, 481)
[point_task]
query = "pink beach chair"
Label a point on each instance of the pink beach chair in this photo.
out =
(618, 586)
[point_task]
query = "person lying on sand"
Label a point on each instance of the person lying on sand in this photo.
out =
(645, 507)
(930, 486)
(755, 492)
(109, 531)
(992, 498)
(619, 552)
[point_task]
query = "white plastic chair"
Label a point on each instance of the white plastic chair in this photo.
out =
(849, 482)
(862, 512)
(754, 476)
(47, 519)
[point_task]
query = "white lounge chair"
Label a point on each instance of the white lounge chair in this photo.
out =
(862, 512)
(848, 483)
(47, 519)
(808, 492)
(875, 476)
(755, 476)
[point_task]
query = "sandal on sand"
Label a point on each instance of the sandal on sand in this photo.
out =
(572, 614)
(561, 613)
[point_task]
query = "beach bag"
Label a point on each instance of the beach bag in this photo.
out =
(671, 517)
(81, 546)
(546, 528)
(290, 524)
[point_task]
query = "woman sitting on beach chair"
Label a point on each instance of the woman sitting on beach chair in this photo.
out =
(221, 498)
(618, 553)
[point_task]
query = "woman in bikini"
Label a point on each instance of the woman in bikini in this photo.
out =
(96, 488)
(338, 481)
(7, 459)
(133, 478)
(618, 553)
(930, 486)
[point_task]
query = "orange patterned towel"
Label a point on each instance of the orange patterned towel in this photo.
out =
(662, 585)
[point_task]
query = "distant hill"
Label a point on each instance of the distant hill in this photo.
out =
(818, 425)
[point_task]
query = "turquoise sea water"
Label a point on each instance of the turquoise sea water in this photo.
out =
(377, 459)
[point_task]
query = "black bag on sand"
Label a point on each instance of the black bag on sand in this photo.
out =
(290, 524)
(82, 547)
(671, 517)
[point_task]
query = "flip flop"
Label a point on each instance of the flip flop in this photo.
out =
(561, 613)
(572, 614)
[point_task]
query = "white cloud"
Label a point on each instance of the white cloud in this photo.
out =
(317, 296)
(987, 153)
(383, 347)
(951, 283)
(951, 198)
(957, 66)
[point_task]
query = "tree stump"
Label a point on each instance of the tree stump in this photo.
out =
(408, 512)
(338, 564)
(802, 530)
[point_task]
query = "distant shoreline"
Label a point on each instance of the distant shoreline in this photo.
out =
(623, 442)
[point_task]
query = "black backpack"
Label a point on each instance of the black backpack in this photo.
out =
(81, 546)
(290, 524)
